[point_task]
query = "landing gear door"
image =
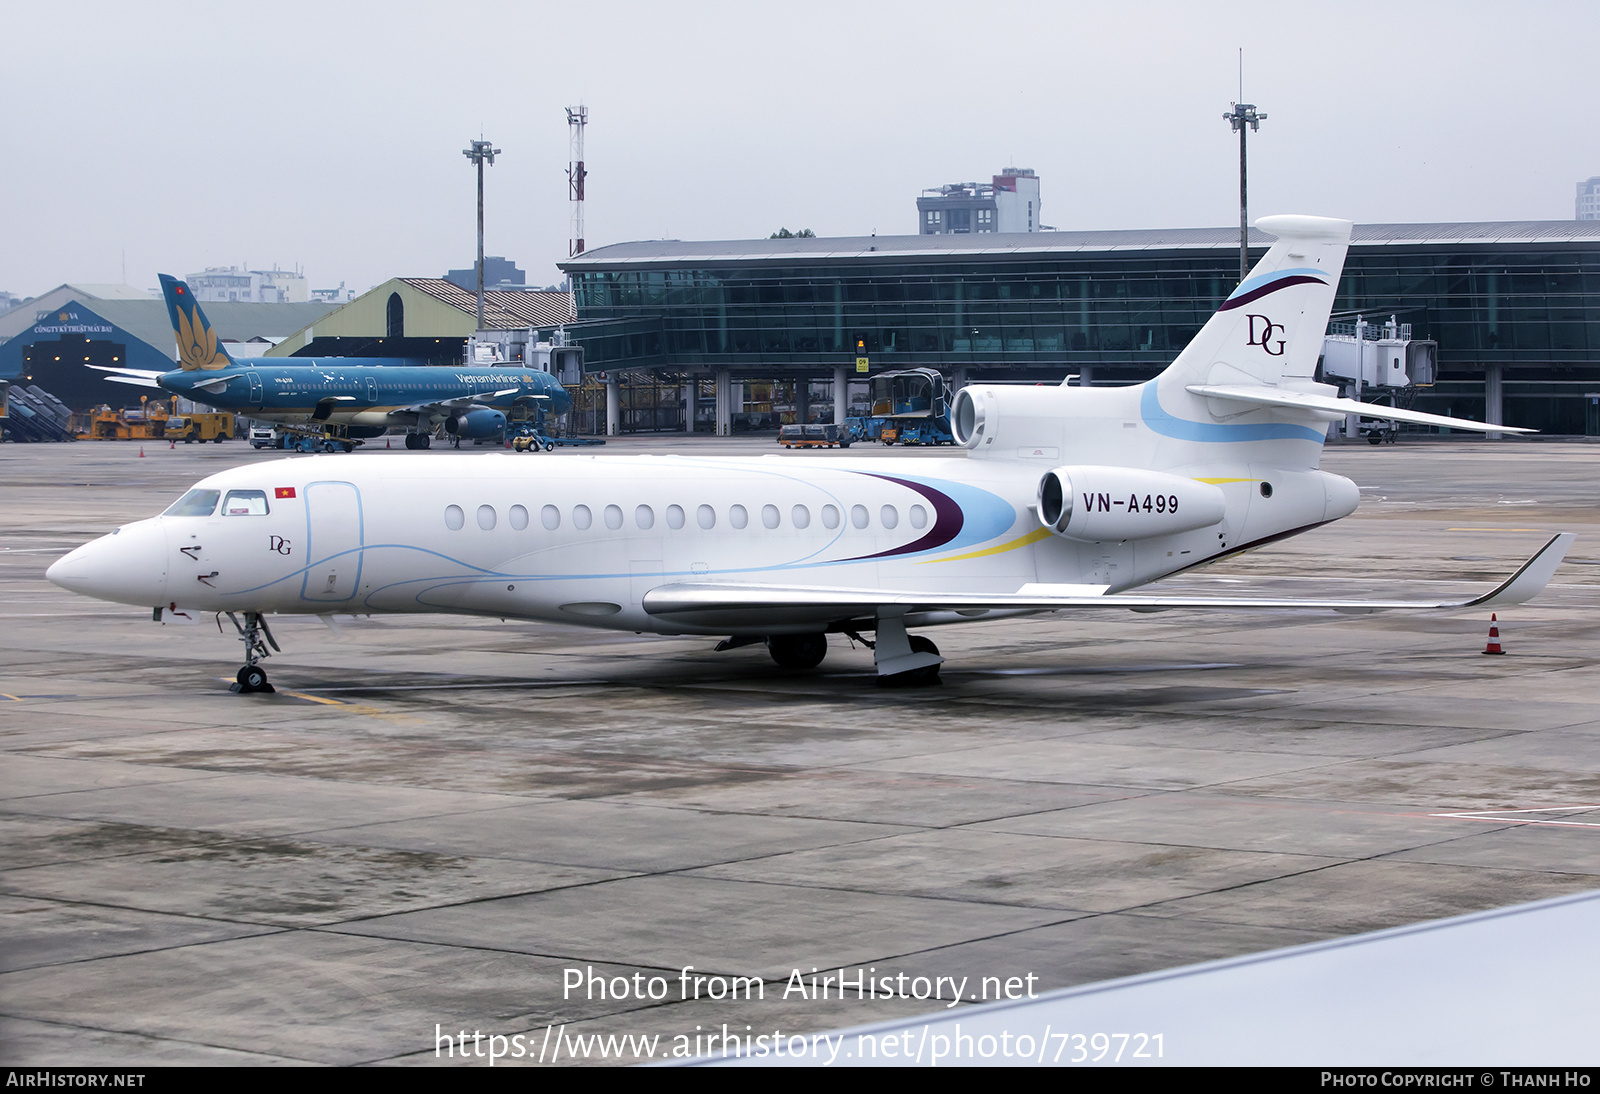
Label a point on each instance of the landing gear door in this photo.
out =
(333, 542)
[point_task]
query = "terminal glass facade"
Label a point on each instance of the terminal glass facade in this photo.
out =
(1118, 316)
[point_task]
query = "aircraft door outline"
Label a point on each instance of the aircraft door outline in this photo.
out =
(335, 538)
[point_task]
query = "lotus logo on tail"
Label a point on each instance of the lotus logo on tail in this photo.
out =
(197, 343)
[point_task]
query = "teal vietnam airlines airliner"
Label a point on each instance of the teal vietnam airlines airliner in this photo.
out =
(362, 396)
(1066, 498)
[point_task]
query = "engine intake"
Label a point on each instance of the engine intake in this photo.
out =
(475, 424)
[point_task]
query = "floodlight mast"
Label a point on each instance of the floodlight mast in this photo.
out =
(1239, 116)
(480, 151)
(577, 120)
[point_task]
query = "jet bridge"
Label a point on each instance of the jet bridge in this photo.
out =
(1377, 362)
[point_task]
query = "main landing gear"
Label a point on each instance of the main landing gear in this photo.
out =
(418, 440)
(798, 651)
(256, 637)
(903, 660)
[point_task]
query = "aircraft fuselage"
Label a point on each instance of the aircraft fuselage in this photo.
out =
(583, 541)
(360, 392)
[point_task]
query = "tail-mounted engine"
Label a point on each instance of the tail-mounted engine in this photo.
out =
(1114, 503)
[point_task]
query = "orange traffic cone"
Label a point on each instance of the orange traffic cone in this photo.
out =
(386, 442)
(141, 451)
(1494, 635)
(172, 445)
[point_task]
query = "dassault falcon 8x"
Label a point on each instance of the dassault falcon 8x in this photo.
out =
(1066, 498)
(364, 396)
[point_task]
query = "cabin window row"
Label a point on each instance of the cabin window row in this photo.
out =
(675, 517)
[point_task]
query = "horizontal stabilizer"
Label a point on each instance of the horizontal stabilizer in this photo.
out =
(1328, 404)
(751, 607)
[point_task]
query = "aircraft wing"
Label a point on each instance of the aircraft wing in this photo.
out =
(138, 377)
(747, 606)
(439, 406)
(136, 381)
(1327, 404)
(146, 373)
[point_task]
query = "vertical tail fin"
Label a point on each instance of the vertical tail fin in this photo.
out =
(1267, 335)
(198, 346)
(1270, 329)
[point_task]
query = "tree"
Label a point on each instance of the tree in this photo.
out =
(784, 233)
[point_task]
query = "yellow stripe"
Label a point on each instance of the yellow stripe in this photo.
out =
(1219, 482)
(13, 698)
(316, 699)
(1021, 541)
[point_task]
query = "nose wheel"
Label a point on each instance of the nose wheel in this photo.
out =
(256, 636)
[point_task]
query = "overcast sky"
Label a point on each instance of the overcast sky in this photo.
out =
(329, 134)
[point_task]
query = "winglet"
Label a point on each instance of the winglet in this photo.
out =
(1529, 581)
(198, 346)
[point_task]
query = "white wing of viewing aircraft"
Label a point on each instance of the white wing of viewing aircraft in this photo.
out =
(1065, 498)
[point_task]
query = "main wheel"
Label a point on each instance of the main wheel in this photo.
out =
(424, 440)
(928, 674)
(798, 651)
(252, 678)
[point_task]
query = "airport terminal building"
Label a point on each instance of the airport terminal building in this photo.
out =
(1514, 307)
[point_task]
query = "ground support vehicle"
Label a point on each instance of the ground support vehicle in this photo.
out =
(814, 436)
(530, 438)
(201, 427)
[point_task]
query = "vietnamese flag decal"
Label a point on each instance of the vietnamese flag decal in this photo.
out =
(285, 492)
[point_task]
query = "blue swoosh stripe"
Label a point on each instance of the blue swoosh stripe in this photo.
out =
(1277, 275)
(1184, 430)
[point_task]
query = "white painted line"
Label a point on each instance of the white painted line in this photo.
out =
(1503, 816)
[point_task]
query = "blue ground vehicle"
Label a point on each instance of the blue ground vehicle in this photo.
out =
(910, 406)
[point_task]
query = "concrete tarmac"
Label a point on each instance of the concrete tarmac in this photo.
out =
(444, 825)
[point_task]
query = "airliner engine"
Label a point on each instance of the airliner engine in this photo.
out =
(475, 424)
(1103, 503)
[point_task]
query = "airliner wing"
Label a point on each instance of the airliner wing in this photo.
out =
(146, 373)
(1327, 404)
(748, 606)
(439, 406)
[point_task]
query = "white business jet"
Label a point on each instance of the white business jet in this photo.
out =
(1065, 498)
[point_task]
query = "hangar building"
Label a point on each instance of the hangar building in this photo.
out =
(48, 340)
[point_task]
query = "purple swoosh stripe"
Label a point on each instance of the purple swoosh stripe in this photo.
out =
(947, 521)
(1257, 294)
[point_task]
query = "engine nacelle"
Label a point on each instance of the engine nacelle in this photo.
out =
(1113, 503)
(475, 424)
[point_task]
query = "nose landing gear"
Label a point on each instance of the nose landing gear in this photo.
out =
(256, 636)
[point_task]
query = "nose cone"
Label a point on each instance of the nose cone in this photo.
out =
(129, 566)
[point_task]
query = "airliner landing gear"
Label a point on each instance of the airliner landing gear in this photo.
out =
(256, 637)
(798, 651)
(904, 660)
(418, 440)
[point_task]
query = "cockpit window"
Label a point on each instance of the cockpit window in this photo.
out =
(196, 503)
(245, 503)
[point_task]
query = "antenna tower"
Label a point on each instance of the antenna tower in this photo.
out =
(577, 119)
